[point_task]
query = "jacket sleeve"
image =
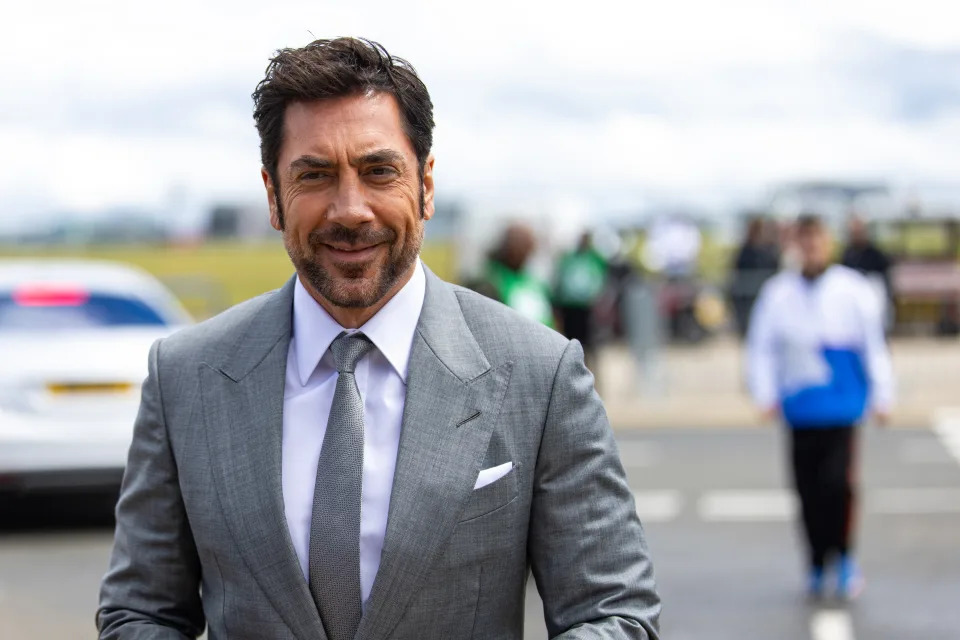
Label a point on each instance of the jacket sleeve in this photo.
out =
(761, 353)
(876, 354)
(151, 590)
(586, 544)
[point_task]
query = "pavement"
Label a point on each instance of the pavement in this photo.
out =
(702, 386)
(710, 487)
(719, 522)
(727, 553)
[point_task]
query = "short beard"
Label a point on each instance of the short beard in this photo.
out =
(337, 288)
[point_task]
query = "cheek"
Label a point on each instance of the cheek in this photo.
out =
(398, 211)
(304, 211)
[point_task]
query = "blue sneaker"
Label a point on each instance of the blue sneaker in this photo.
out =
(815, 583)
(850, 581)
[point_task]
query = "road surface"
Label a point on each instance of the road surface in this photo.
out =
(719, 523)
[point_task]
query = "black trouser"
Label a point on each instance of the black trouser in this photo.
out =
(823, 472)
(577, 324)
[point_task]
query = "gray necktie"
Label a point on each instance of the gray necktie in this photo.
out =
(335, 526)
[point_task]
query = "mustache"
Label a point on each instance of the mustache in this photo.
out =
(339, 234)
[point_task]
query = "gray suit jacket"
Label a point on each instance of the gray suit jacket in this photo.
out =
(201, 533)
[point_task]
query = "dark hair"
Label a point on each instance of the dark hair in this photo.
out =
(755, 228)
(334, 69)
(808, 222)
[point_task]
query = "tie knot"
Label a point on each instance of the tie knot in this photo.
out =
(347, 350)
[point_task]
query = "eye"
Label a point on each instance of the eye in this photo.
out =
(315, 175)
(382, 172)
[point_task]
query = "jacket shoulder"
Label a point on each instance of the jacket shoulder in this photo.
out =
(214, 335)
(848, 276)
(778, 285)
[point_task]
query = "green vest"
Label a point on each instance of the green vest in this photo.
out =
(521, 292)
(581, 278)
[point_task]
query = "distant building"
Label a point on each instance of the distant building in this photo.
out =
(112, 228)
(246, 222)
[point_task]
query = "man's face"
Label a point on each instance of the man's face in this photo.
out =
(350, 197)
(518, 246)
(858, 232)
(814, 245)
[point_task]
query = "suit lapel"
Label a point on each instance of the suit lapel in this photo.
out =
(243, 405)
(452, 402)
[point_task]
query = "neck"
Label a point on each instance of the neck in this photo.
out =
(356, 317)
(812, 272)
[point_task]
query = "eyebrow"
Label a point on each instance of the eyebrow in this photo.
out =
(378, 156)
(310, 162)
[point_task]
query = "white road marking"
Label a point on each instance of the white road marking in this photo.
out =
(780, 505)
(914, 501)
(831, 624)
(775, 505)
(658, 506)
(947, 427)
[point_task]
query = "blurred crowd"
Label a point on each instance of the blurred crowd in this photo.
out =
(648, 286)
(768, 246)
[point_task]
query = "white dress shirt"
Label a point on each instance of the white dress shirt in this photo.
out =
(308, 395)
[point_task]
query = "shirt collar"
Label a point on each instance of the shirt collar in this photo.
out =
(391, 330)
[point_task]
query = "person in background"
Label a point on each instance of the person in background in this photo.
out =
(757, 260)
(581, 279)
(672, 246)
(817, 358)
(789, 254)
(507, 280)
(863, 255)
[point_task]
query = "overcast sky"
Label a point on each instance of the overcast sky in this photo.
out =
(110, 104)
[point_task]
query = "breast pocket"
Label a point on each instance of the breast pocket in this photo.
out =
(492, 497)
(489, 525)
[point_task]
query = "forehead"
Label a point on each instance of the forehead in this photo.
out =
(345, 125)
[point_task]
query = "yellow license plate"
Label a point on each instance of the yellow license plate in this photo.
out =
(65, 388)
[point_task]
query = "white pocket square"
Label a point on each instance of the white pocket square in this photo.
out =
(491, 475)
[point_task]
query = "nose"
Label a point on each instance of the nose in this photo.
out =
(349, 206)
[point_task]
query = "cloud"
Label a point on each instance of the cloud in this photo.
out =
(907, 82)
(120, 103)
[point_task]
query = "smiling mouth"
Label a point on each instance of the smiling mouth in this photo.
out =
(351, 254)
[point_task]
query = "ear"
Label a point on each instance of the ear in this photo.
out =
(428, 206)
(275, 220)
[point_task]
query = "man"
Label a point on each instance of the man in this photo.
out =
(863, 255)
(581, 279)
(507, 280)
(817, 358)
(757, 260)
(368, 452)
(672, 247)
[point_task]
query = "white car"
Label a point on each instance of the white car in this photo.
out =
(74, 340)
